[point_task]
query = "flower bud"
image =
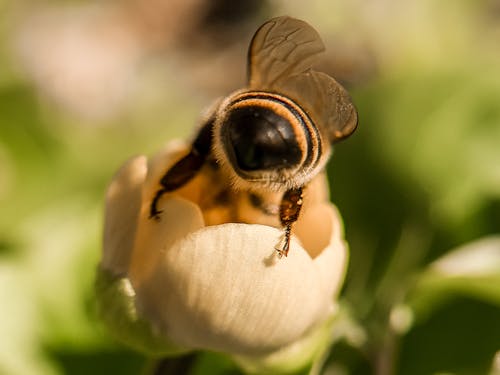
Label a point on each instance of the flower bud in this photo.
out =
(220, 287)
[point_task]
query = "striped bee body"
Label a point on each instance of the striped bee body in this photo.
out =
(275, 135)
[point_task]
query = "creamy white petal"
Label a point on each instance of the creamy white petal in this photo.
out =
(123, 203)
(333, 260)
(223, 288)
(179, 218)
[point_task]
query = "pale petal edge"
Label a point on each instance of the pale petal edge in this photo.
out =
(333, 261)
(123, 204)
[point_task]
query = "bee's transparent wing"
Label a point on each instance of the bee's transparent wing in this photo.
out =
(280, 59)
(325, 100)
(280, 48)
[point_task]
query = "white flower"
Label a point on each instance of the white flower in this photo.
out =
(219, 287)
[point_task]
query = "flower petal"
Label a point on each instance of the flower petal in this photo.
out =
(332, 262)
(223, 288)
(314, 226)
(154, 237)
(123, 202)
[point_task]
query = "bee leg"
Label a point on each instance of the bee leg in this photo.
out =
(185, 169)
(154, 212)
(290, 206)
(177, 176)
(283, 251)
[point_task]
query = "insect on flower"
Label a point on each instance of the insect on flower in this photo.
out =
(265, 143)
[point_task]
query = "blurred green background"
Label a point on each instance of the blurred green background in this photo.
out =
(86, 85)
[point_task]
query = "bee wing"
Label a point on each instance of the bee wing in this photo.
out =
(280, 48)
(325, 100)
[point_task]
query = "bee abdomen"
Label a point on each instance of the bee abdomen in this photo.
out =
(267, 132)
(261, 139)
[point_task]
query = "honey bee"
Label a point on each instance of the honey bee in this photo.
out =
(272, 138)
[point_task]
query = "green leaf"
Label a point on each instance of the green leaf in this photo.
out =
(471, 270)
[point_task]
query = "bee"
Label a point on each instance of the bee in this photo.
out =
(270, 139)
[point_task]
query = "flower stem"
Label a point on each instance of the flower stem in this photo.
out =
(171, 365)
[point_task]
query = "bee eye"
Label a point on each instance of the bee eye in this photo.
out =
(261, 139)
